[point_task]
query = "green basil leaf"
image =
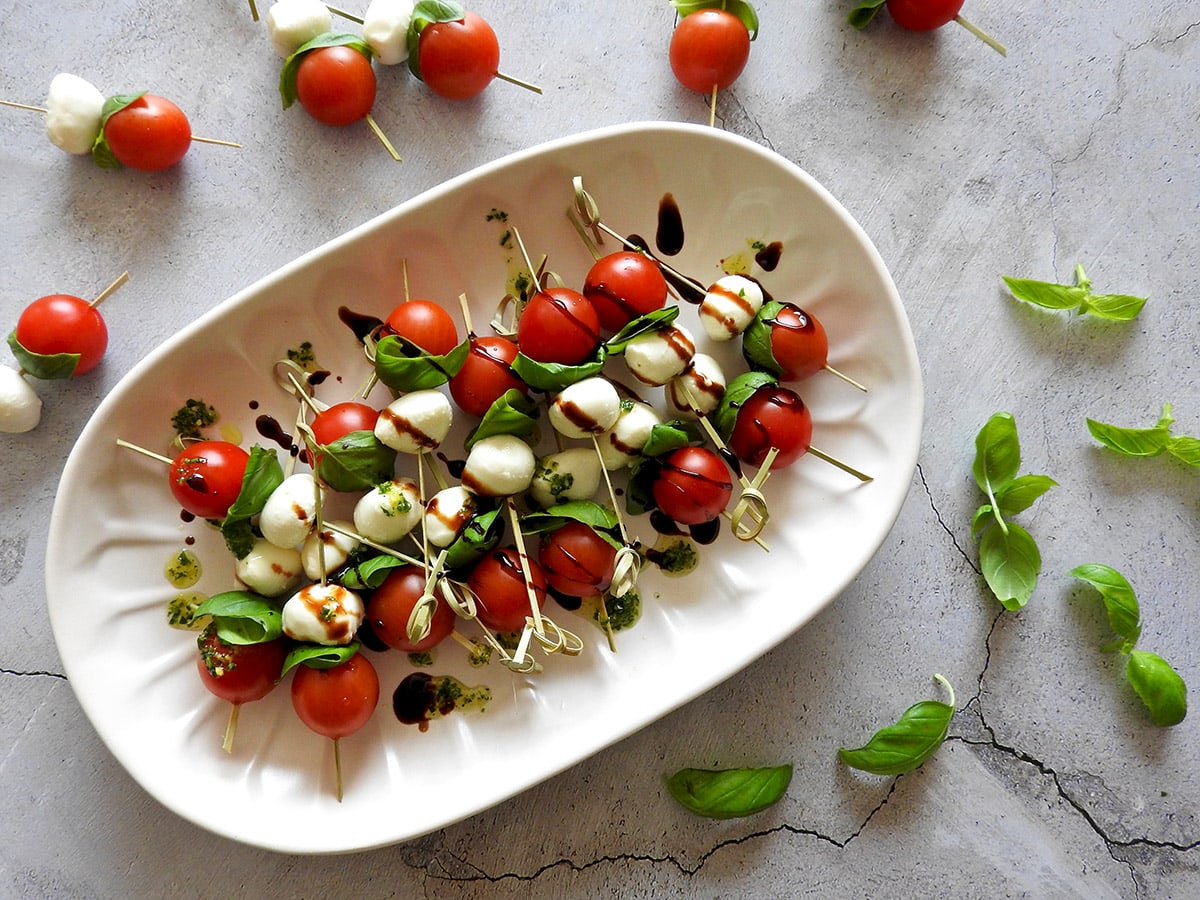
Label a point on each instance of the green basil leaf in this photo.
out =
(46, 366)
(862, 14)
(1185, 448)
(740, 8)
(902, 747)
(997, 455)
(729, 793)
(639, 488)
(405, 367)
(1160, 687)
(318, 656)
(553, 377)
(652, 321)
(1124, 615)
(287, 77)
(757, 348)
(482, 534)
(667, 436)
(1116, 307)
(1046, 294)
(588, 512)
(983, 517)
(1135, 441)
(1010, 561)
(424, 14)
(1019, 494)
(263, 474)
(355, 462)
(737, 392)
(102, 154)
(367, 574)
(242, 617)
(510, 413)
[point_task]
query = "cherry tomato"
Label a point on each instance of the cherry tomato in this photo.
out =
(923, 15)
(206, 477)
(623, 286)
(389, 607)
(239, 673)
(458, 59)
(693, 485)
(335, 85)
(485, 375)
(499, 585)
(149, 134)
(425, 324)
(578, 561)
(773, 416)
(558, 325)
(709, 48)
(341, 419)
(338, 701)
(61, 323)
(798, 343)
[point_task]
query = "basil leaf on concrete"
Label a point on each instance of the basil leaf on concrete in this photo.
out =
(1160, 687)
(729, 793)
(1124, 615)
(1010, 560)
(902, 747)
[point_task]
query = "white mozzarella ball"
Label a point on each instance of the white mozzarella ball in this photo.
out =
(447, 513)
(416, 422)
(389, 511)
(698, 389)
(572, 474)
(292, 23)
(658, 356)
(499, 466)
(585, 408)
(291, 510)
(385, 29)
(269, 570)
(730, 306)
(623, 443)
(326, 550)
(20, 406)
(74, 111)
(323, 614)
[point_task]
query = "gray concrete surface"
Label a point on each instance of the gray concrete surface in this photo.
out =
(1080, 146)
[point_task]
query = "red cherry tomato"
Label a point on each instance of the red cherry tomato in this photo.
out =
(391, 604)
(773, 416)
(798, 343)
(61, 323)
(425, 324)
(338, 701)
(578, 561)
(341, 419)
(499, 585)
(458, 59)
(923, 15)
(558, 325)
(693, 485)
(239, 673)
(149, 134)
(335, 85)
(623, 286)
(206, 477)
(485, 375)
(709, 48)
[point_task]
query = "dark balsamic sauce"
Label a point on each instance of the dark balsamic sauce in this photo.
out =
(269, 428)
(669, 236)
(360, 323)
(768, 256)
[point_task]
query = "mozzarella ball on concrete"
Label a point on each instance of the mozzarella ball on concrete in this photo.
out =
(292, 23)
(323, 614)
(499, 466)
(447, 513)
(74, 113)
(291, 510)
(269, 570)
(389, 511)
(698, 389)
(416, 422)
(623, 443)
(326, 550)
(20, 406)
(585, 408)
(572, 474)
(385, 29)
(658, 356)
(730, 306)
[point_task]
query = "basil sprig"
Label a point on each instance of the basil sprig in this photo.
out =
(1078, 296)
(355, 462)
(589, 512)
(287, 76)
(740, 8)
(1008, 554)
(1159, 686)
(902, 747)
(553, 377)
(47, 366)
(424, 14)
(510, 413)
(405, 367)
(656, 320)
(263, 474)
(1148, 441)
(102, 154)
(242, 617)
(729, 793)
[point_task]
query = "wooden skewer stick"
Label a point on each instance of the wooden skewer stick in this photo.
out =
(982, 35)
(833, 460)
(846, 378)
(195, 137)
(337, 769)
(110, 290)
(712, 108)
(344, 14)
(518, 82)
(383, 138)
(253, 11)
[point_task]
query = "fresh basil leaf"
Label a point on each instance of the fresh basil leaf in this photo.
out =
(263, 474)
(984, 516)
(1046, 294)
(1134, 441)
(862, 14)
(757, 347)
(369, 573)
(482, 534)
(242, 617)
(1116, 307)
(737, 392)
(1185, 448)
(902, 747)
(1022, 492)
(318, 656)
(588, 512)
(424, 14)
(1160, 687)
(355, 462)
(729, 793)
(1010, 561)
(997, 455)
(102, 154)
(652, 321)
(287, 76)
(740, 8)
(510, 413)
(553, 377)
(1124, 615)
(667, 436)
(46, 366)
(405, 367)
(639, 487)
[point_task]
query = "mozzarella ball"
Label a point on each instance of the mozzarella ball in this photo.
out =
(292, 23)
(74, 111)
(389, 511)
(291, 510)
(20, 406)
(415, 422)
(585, 408)
(326, 550)
(499, 466)
(572, 474)
(623, 443)
(385, 29)
(447, 513)
(698, 389)
(323, 614)
(730, 306)
(658, 356)
(269, 570)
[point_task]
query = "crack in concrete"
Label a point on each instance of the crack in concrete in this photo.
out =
(941, 522)
(32, 674)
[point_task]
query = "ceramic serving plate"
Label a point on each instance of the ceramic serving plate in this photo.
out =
(115, 526)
